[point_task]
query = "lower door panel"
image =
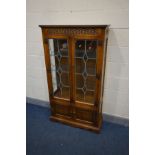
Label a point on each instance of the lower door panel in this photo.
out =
(84, 115)
(62, 110)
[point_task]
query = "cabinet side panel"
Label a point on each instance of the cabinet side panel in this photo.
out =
(99, 75)
(47, 62)
(103, 69)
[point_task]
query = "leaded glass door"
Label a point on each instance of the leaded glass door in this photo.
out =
(59, 58)
(85, 58)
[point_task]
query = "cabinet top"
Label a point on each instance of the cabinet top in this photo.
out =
(72, 26)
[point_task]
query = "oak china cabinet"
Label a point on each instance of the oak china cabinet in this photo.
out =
(75, 58)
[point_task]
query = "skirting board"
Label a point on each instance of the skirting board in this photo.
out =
(106, 117)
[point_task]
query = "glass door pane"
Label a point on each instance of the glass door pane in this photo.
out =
(59, 56)
(85, 70)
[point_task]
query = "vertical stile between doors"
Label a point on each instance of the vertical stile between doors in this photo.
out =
(71, 42)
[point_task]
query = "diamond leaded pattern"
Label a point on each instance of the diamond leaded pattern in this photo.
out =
(84, 89)
(84, 74)
(82, 50)
(85, 57)
(59, 56)
(59, 70)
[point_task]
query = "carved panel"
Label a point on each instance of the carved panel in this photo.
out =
(62, 110)
(72, 31)
(84, 115)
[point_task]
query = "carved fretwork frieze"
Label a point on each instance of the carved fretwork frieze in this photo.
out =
(72, 31)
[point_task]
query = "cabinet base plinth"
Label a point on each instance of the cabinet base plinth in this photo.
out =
(74, 123)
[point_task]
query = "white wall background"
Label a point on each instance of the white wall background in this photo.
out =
(79, 12)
